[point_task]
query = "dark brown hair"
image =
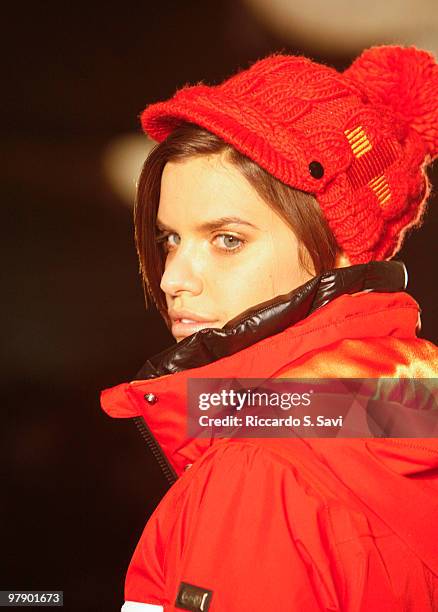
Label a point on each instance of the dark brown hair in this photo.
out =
(300, 210)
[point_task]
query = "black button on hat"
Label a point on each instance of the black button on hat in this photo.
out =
(316, 169)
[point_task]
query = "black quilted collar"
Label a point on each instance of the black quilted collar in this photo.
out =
(274, 316)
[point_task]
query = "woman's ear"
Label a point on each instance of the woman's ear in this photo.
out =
(342, 260)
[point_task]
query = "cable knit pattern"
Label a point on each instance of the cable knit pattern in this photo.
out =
(373, 129)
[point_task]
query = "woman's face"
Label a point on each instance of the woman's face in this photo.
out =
(227, 250)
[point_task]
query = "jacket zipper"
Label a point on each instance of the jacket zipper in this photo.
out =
(166, 469)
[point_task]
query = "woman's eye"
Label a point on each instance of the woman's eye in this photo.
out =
(229, 242)
(168, 240)
(173, 239)
(225, 242)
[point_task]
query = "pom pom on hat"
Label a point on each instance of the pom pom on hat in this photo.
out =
(358, 141)
(405, 80)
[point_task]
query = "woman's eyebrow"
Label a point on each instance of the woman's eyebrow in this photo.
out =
(161, 226)
(213, 224)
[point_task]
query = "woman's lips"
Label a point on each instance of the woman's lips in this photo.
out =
(187, 327)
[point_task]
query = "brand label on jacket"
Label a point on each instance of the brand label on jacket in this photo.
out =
(194, 598)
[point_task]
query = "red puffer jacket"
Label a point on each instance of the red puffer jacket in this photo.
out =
(291, 524)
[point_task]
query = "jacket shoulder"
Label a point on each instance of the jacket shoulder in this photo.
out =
(277, 503)
(367, 357)
(237, 503)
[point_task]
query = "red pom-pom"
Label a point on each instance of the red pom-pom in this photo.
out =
(406, 80)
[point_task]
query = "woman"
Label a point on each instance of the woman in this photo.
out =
(266, 219)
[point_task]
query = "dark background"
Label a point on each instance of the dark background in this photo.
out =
(78, 487)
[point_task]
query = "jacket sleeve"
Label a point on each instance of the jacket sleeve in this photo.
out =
(237, 538)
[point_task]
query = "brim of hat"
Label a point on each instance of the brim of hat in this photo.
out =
(159, 120)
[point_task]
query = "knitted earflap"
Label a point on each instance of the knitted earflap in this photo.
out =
(403, 81)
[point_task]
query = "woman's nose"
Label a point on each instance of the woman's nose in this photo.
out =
(180, 274)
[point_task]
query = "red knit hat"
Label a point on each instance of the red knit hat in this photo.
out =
(358, 140)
